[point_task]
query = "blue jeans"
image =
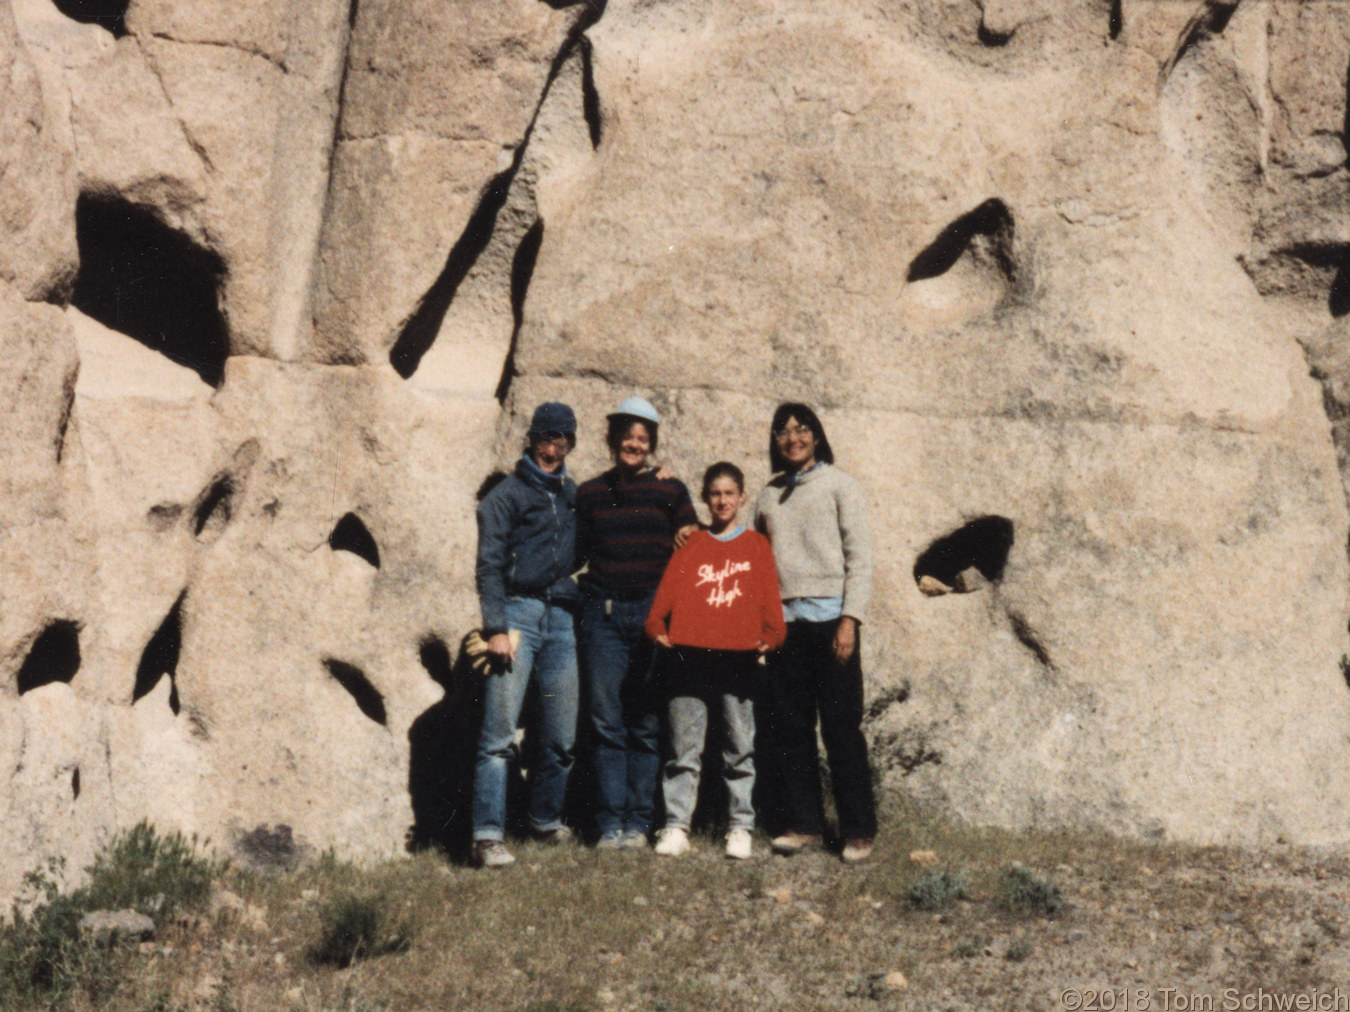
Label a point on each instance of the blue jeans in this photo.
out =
(548, 654)
(618, 660)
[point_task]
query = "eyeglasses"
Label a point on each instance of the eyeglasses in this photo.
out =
(789, 431)
(552, 437)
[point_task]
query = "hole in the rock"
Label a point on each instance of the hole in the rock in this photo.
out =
(53, 657)
(590, 97)
(1116, 19)
(987, 230)
(1338, 299)
(351, 535)
(143, 279)
(522, 270)
(75, 784)
(982, 543)
(354, 680)
(214, 510)
(109, 14)
(991, 38)
(1345, 669)
(419, 333)
(160, 656)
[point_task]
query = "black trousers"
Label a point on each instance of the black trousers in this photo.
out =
(804, 682)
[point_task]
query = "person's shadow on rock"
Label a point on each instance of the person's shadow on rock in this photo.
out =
(442, 742)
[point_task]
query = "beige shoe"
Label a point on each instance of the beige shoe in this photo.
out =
(793, 843)
(857, 850)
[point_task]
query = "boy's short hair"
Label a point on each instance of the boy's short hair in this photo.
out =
(723, 469)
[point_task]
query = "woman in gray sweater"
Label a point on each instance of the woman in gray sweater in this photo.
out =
(815, 516)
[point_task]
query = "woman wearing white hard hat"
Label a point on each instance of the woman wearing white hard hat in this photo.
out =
(628, 521)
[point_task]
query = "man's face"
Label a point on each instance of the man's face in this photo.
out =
(549, 450)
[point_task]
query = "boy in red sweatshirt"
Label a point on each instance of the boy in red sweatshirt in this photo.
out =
(717, 609)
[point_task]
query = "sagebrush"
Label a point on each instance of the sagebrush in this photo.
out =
(45, 959)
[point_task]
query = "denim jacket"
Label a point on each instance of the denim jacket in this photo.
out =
(527, 530)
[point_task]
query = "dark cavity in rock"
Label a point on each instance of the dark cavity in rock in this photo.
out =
(53, 657)
(354, 680)
(351, 535)
(109, 14)
(987, 231)
(143, 279)
(982, 543)
(590, 97)
(214, 508)
(160, 657)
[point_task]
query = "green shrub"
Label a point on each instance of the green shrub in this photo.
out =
(1023, 892)
(43, 956)
(936, 890)
(154, 875)
(357, 927)
(1018, 951)
(969, 948)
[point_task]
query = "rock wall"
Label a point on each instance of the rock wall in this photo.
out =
(280, 284)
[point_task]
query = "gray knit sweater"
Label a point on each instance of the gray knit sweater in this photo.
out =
(821, 543)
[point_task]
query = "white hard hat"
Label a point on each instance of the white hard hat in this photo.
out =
(637, 407)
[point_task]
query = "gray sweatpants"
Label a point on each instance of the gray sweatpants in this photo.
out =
(688, 733)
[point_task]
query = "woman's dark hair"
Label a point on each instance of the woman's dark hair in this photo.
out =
(723, 469)
(805, 416)
(619, 426)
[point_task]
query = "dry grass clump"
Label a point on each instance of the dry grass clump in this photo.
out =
(355, 926)
(1022, 891)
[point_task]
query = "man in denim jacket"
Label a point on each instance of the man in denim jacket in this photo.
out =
(526, 547)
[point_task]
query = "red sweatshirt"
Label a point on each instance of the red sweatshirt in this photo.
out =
(720, 595)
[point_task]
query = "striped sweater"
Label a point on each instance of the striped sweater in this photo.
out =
(626, 531)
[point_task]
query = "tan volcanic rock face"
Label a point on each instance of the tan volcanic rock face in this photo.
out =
(1055, 275)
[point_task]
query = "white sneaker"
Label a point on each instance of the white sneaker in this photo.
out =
(672, 842)
(739, 845)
